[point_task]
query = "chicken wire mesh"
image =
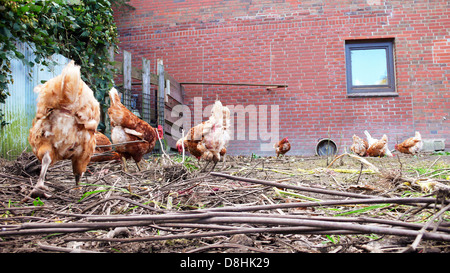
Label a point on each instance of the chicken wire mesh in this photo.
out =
(146, 107)
(141, 104)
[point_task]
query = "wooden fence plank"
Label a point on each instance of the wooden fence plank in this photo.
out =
(161, 91)
(169, 93)
(146, 95)
(172, 102)
(136, 73)
(127, 79)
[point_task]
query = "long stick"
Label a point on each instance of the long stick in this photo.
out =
(296, 223)
(118, 144)
(325, 225)
(236, 84)
(299, 226)
(325, 203)
(300, 188)
(202, 234)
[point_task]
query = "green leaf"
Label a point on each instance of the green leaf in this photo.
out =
(37, 202)
(24, 9)
(5, 32)
(79, 30)
(85, 33)
(359, 211)
(19, 55)
(35, 8)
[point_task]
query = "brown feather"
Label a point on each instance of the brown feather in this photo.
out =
(122, 120)
(66, 119)
(378, 148)
(282, 147)
(103, 153)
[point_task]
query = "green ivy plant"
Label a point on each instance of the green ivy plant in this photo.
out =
(81, 30)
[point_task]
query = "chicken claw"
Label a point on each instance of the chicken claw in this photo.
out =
(39, 191)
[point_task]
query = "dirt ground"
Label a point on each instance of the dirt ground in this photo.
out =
(87, 219)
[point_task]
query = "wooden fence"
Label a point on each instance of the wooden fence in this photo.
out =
(153, 91)
(157, 93)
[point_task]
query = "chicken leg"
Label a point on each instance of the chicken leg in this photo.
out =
(39, 188)
(124, 164)
(212, 169)
(139, 165)
(204, 167)
(223, 162)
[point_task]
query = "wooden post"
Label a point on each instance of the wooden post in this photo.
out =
(161, 93)
(146, 90)
(166, 99)
(104, 116)
(127, 79)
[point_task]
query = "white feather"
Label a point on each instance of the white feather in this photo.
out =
(370, 139)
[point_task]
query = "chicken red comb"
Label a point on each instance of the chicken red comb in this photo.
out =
(160, 132)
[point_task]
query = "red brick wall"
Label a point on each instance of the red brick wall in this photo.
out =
(301, 44)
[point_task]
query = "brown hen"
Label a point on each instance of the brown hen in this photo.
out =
(282, 147)
(127, 127)
(66, 119)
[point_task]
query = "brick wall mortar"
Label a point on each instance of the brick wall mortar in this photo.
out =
(317, 22)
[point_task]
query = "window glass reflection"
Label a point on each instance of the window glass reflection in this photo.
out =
(369, 67)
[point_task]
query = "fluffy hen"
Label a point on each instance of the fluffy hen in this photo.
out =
(127, 127)
(66, 119)
(412, 145)
(359, 146)
(377, 147)
(281, 147)
(209, 140)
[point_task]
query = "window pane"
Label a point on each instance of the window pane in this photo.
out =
(369, 67)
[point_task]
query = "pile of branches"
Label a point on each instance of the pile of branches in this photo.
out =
(214, 205)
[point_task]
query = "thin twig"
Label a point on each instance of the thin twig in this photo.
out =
(412, 201)
(360, 172)
(162, 150)
(228, 245)
(419, 237)
(297, 225)
(182, 145)
(362, 160)
(120, 144)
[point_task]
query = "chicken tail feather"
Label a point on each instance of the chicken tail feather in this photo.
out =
(418, 136)
(70, 81)
(217, 111)
(114, 97)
